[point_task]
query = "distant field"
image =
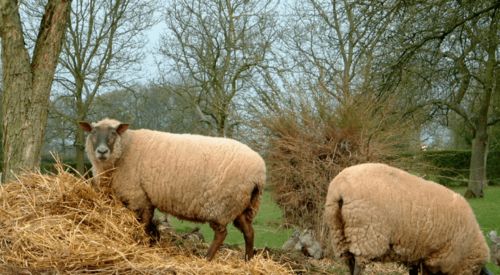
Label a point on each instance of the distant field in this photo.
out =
(270, 233)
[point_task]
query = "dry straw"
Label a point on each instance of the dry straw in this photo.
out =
(58, 224)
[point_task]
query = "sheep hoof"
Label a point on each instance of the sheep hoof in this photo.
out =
(153, 233)
(249, 256)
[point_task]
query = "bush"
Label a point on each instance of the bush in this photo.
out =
(302, 159)
(309, 146)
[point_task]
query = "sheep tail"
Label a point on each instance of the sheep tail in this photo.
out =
(335, 223)
(252, 209)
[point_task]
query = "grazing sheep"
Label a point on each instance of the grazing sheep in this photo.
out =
(495, 247)
(196, 178)
(379, 213)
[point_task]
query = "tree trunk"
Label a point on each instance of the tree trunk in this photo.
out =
(479, 154)
(477, 172)
(81, 111)
(221, 127)
(27, 85)
(80, 150)
(17, 86)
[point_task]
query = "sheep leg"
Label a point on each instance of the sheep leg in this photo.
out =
(220, 232)
(146, 217)
(424, 270)
(244, 224)
(354, 268)
(413, 270)
(485, 271)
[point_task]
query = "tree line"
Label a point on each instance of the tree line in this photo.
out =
(388, 70)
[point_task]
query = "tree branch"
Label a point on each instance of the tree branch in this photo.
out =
(450, 105)
(440, 35)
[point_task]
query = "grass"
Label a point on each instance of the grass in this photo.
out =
(267, 225)
(487, 211)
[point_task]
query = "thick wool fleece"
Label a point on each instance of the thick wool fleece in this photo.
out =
(377, 212)
(189, 176)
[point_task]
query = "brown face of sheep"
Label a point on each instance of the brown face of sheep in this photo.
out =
(103, 138)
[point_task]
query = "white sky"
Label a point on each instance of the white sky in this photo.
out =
(149, 67)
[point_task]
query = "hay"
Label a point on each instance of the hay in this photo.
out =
(301, 264)
(58, 224)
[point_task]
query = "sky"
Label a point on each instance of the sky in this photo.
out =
(150, 70)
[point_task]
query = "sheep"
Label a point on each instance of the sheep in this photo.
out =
(196, 178)
(375, 212)
(495, 247)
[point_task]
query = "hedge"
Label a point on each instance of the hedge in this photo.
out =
(451, 167)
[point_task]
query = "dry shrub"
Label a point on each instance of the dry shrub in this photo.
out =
(309, 146)
(57, 224)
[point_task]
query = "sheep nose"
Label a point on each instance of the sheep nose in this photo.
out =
(102, 151)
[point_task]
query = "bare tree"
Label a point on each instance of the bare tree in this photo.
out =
(105, 39)
(27, 82)
(337, 42)
(60, 134)
(458, 66)
(146, 106)
(336, 49)
(213, 48)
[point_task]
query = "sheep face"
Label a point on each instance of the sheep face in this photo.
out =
(103, 138)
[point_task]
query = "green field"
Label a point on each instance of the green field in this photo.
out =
(270, 233)
(487, 212)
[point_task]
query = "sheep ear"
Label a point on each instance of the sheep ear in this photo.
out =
(122, 128)
(85, 126)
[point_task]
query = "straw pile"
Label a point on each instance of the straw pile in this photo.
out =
(307, 265)
(57, 224)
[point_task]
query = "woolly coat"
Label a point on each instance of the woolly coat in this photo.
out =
(192, 177)
(381, 213)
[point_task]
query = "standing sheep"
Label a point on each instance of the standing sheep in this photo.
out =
(379, 213)
(196, 178)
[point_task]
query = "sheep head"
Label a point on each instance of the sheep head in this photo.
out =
(103, 141)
